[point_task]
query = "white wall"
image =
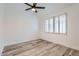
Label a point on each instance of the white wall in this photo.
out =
(20, 25)
(72, 38)
(1, 27)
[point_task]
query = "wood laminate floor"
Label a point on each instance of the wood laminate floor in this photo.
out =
(38, 48)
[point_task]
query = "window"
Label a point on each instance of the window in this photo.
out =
(62, 23)
(51, 25)
(46, 26)
(57, 24)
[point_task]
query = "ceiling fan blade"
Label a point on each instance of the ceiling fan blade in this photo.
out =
(28, 9)
(34, 4)
(28, 4)
(40, 7)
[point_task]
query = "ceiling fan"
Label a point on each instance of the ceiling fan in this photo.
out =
(34, 7)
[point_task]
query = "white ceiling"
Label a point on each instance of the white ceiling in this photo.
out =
(51, 7)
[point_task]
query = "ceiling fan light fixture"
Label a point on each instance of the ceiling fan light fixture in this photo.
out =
(33, 9)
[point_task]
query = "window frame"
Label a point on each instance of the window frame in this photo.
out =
(58, 25)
